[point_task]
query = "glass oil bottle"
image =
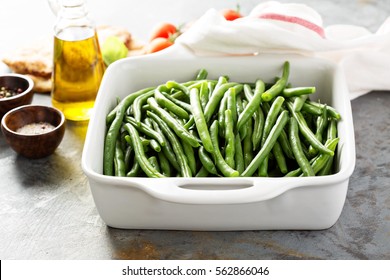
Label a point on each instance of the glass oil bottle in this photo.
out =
(78, 66)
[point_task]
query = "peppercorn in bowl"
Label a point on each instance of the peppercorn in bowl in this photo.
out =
(15, 90)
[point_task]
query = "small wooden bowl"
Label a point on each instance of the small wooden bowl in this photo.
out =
(13, 81)
(33, 145)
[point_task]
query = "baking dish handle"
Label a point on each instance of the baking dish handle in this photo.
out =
(232, 191)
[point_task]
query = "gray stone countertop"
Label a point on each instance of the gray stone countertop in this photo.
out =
(47, 210)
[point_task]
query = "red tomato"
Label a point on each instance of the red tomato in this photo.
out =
(230, 14)
(163, 30)
(158, 44)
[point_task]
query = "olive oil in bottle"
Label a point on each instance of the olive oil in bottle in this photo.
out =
(77, 63)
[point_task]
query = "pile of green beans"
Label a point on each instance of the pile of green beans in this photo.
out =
(210, 128)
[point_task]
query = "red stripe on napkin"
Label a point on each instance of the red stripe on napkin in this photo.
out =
(297, 20)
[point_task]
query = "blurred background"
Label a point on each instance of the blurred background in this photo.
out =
(26, 21)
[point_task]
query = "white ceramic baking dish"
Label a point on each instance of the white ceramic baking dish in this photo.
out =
(219, 203)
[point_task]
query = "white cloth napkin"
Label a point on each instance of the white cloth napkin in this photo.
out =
(296, 28)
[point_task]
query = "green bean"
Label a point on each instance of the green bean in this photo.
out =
(221, 80)
(200, 121)
(215, 98)
(248, 92)
(229, 139)
(240, 109)
(268, 145)
(128, 155)
(247, 143)
(280, 159)
(202, 75)
(268, 124)
(332, 112)
(178, 102)
(221, 116)
(300, 157)
(298, 91)
(285, 145)
(294, 173)
(109, 147)
(321, 125)
(185, 170)
(189, 125)
(148, 122)
(331, 134)
(204, 95)
(211, 87)
(123, 142)
(206, 161)
(126, 102)
(179, 95)
(263, 168)
(197, 85)
(258, 127)
(231, 103)
(173, 124)
(239, 155)
(186, 84)
(327, 168)
(252, 106)
(271, 117)
(190, 155)
(153, 161)
(164, 165)
(169, 105)
(332, 129)
(203, 172)
(176, 85)
(307, 133)
(298, 102)
(155, 145)
(219, 160)
(311, 109)
(140, 156)
(145, 142)
(167, 149)
(278, 87)
(138, 103)
(141, 127)
(322, 159)
(119, 160)
(135, 170)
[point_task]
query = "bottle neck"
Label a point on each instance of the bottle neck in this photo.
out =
(73, 22)
(73, 11)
